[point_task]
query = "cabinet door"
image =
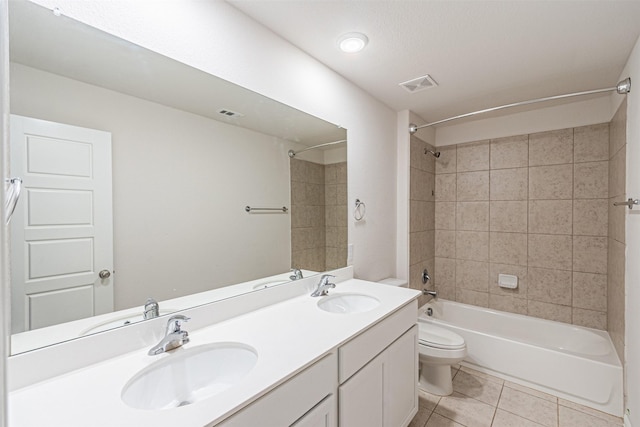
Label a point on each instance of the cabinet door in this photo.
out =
(401, 380)
(360, 399)
(324, 414)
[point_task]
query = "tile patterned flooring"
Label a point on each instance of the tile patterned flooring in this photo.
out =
(481, 400)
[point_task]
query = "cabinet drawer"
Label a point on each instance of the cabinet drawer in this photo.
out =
(360, 350)
(291, 400)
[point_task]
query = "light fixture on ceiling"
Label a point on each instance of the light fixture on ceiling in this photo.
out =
(352, 42)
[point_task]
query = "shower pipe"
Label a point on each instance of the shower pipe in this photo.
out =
(622, 88)
(292, 153)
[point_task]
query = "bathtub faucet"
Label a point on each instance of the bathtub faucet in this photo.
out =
(434, 294)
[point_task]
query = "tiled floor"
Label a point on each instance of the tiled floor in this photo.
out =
(481, 400)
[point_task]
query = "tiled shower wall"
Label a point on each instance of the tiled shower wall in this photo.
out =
(535, 206)
(422, 214)
(318, 215)
(617, 192)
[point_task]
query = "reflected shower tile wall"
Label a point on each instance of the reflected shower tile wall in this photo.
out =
(536, 206)
(318, 215)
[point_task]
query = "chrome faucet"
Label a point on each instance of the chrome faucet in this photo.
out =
(151, 309)
(174, 337)
(323, 286)
(434, 294)
(297, 274)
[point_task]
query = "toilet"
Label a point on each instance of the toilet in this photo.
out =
(438, 350)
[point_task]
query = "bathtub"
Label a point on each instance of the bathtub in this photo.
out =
(574, 363)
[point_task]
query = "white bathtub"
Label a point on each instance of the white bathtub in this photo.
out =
(574, 363)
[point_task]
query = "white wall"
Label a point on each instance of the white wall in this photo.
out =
(5, 300)
(574, 114)
(632, 273)
(180, 185)
(216, 38)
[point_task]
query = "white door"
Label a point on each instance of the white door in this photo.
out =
(62, 230)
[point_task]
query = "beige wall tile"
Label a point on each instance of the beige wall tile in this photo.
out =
(444, 274)
(551, 182)
(473, 275)
(417, 247)
(550, 251)
(330, 174)
(508, 248)
(445, 215)
(468, 296)
(590, 217)
(330, 194)
(422, 215)
(418, 159)
(447, 162)
(511, 152)
(509, 184)
(551, 148)
(590, 254)
(591, 180)
(617, 174)
(509, 216)
(544, 310)
(590, 291)
(618, 129)
(589, 318)
(552, 286)
(551, 216)
(472, 216)
(473, 157)
(591, 143)
(520, 271)
(445, 187)
(508, 303)
(473, 186)
(616, 218)
(472, 245)
(445, 244)
(616, 295)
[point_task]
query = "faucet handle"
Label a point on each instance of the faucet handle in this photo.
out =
(324, 279)
(175, 322)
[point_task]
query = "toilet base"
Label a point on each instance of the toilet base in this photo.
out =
(436, 379)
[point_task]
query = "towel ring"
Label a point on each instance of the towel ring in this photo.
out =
(360, 211)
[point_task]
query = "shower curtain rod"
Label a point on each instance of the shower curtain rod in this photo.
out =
(292, 153)
(622, 88)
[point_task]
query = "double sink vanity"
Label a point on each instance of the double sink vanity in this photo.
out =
(277, 357)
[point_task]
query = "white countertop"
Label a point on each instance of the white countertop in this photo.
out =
(288, 336)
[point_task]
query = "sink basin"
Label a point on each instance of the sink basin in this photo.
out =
(189, 375)
(348, 303)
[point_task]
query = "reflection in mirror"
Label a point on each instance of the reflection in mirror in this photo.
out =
(188, 152)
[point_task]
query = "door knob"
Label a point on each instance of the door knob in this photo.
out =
(104, 274)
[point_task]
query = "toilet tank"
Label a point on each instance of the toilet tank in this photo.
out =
(393, 281)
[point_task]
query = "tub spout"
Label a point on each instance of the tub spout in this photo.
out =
(434, 294)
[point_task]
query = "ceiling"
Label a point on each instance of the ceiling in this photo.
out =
(481, 53)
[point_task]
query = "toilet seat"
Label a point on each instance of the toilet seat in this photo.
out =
(437, 337)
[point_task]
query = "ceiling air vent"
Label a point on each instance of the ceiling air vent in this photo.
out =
(421, 83)
(230, 113)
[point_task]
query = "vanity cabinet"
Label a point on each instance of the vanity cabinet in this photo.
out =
(383, 392)
(306, 400)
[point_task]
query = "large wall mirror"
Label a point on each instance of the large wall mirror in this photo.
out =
(146, 178)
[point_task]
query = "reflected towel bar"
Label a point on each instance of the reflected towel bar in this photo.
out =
(250, 209)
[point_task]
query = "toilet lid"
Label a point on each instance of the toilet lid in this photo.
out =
(435, 336)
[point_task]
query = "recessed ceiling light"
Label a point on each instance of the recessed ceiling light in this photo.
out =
(352, 42)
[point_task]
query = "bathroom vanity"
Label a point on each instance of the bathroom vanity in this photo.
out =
(349, 359)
